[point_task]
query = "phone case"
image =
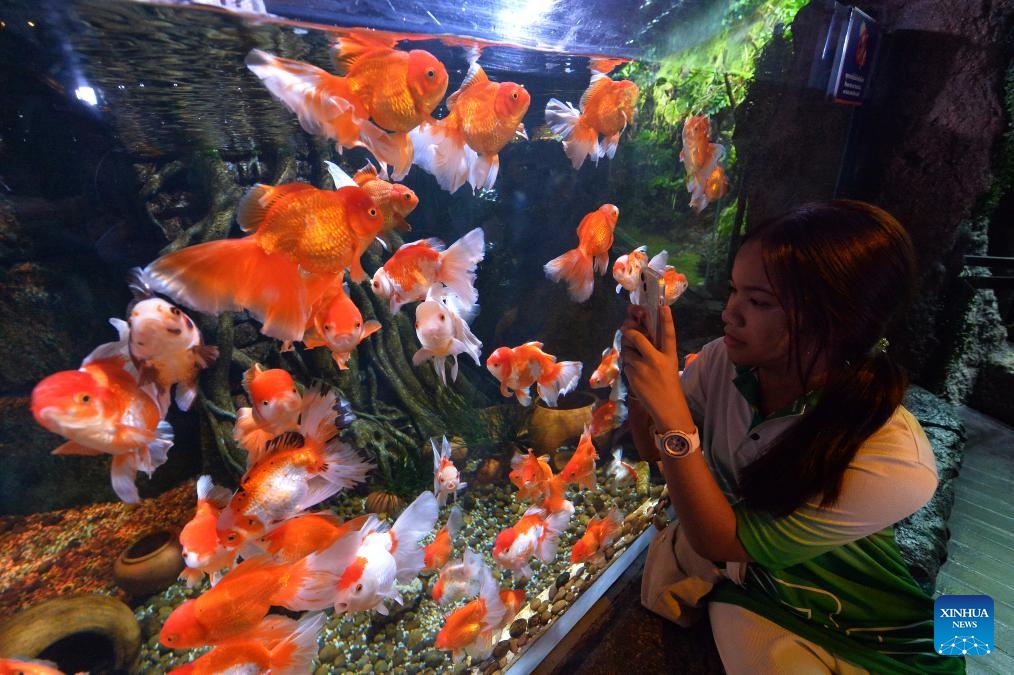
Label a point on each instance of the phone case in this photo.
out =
(652, 297)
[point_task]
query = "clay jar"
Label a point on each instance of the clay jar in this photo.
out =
(150, 564)
(550, 428)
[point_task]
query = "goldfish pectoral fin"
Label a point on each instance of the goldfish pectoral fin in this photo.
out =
(524, 398)
(369, 328)
(122, 475)
(186, 392)
(421, 355)
(72, 448)
(341, 359)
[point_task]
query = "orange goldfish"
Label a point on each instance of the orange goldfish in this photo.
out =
(578, 266)
(203, 553)
(366, 565)
(535, 535)
(519, 368)
(675, 284)
(555, 499)
(580, 468)
(700, 157)
(443, 333)
(237, 604)
(275, 406)
(394, 200)
(621, 472)
(100, 408)
(301, 237)
(606, 108)
(599, 533)
(459, 578)
(307, 533)
(472, 628)
(438, 552)
(164, 344)
(28, 667)
(418, 267)
(609, 367)
(483, 117)
(513, 600)
(606, 416)
(688, 359)
(531, 474)
(336, 323)
(292, 655)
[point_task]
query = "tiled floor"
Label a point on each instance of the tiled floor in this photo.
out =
(618, 635)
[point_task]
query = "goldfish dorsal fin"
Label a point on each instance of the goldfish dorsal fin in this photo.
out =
(605, 65)
(250, 375)
(253, 207)
(350, 48)
(476, 76)
(288, 440)
(598, 82)
(366, 174)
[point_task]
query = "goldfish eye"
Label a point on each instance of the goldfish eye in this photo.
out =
(514, 96)
(408, 198)
(431, 73)
(85, 398)
(175, 311)
(265, 403)
(327, 328)
(373, 213)
(171, 639)
(359, 588)
(359, 324)
(442, 317)
(231, 537)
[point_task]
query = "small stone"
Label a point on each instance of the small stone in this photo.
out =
(562, 579)
(327, 653)
(559, 607)
(414, 637)
(502, 648)
(518, 628)
(536, 605)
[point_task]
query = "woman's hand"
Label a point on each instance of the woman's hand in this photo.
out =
(653, 373)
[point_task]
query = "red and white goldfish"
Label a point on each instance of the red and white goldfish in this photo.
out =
(203, 552)
(578, 266)
(301, 237)
(28, 667)
(606, 108)
(473, 628)
(164, 344)
(292, 655)
(518, 368)
(459, 578)
(599, 533)
(609, 367)
(606, 416)
(483, 117)
(443, 333)
(580, 468)
(101, 409)
(275, 403)
(420, 266)
(676, 284)
(307, 533)
(531, 475)
(438, 552)
(336, 323)
(236, 606)
(536, 535)
(706, 180)
(446, 477)
(619, 471)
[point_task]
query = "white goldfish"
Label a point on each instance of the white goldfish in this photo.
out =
(536, 535)
(443, 333)
(446, 477)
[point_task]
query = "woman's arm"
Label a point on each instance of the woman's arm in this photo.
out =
(658, 403)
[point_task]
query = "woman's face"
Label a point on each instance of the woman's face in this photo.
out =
(756, 332)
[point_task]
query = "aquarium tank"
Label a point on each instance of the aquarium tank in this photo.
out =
(309, 315)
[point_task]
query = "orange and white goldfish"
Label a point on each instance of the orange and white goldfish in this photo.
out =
(394, 200)
(627, 270)
(203, 552)
(28, 667)
(443, 333)
(676, 284)
(706, 180)
(420, 266)
(395, 89)
(483, 117)
(164, 344)
(438, 552)
(619, 471)
(473, 628)
(580, 468)
(446, 477)
(300, 238)
(531, 475)
(606, 108)
(368, 564)
(336, 323)
(555, 498)
(299, 536)
(598, 534)
(292, 655)
(578, 266)
(519, 368)
(609, 367)
(275, 403)
(459, 578)
(535, 535)
(236, 606)
(101, 409)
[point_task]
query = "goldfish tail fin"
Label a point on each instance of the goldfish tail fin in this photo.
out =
(294, 655)
(579, 139)
(483, 170)
(574, 267)
(234, 274)
(414, 523)
(440, 150)
(565, 377)
(458, 263)
(345, 468)
(394, 149)
(317, 414)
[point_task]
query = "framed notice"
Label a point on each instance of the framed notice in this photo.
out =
(853, 59)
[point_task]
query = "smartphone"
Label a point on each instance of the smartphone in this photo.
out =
(652, 297)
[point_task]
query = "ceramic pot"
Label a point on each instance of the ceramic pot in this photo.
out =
(550, 428)
(150, 564)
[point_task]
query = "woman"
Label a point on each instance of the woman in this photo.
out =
(785, 447)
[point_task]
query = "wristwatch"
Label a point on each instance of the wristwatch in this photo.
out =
(678, 444)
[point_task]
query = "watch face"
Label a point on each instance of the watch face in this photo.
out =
(676, 445)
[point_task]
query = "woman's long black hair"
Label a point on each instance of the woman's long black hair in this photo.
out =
(841, 270)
